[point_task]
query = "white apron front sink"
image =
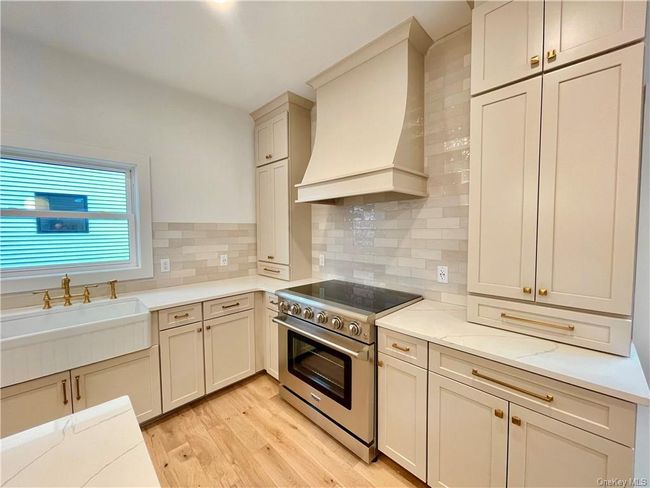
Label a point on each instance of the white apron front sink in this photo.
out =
(39, 343)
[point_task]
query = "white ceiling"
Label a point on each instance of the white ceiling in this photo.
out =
(239, 53)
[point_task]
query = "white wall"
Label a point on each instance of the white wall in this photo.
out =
(201, 151)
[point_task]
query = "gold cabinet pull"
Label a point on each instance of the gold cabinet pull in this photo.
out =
(380, 363)
(528, 290)
(272, 270)
(208, 327)
(230, 306)
(543, 292)
(534, 60)
(182, 316)
(516, 420)
(272, 302)
(64, 384)
(76, 382)
(551, 55)
(568, 327)
(270, 257)
(199, 330)
(546, 398)
(498, 413)
(401, 348)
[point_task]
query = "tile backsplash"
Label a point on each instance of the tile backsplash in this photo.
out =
(193, 250)
(379, 241)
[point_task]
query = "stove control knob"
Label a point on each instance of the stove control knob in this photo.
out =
(321, 317)
(308, 313)
(284, 307)
(295, 309)
(337, 323)
(354, 328)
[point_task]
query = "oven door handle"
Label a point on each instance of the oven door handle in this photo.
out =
(361, 355)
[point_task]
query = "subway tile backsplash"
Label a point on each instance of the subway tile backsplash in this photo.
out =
(383, 242)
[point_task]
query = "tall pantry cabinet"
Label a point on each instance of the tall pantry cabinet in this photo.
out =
(555, 131)
(282, 150)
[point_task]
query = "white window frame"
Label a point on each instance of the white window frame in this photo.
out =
(137, 169)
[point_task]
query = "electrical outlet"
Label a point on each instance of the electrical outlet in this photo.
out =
(223, 260)
(321, 260)
(165, 266)
(443, 274)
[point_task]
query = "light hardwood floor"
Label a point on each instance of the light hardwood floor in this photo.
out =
(246, 435)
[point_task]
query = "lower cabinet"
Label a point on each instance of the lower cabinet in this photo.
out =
(34, 402)
(271, 343)
(229, 349)
(478, 439)
(181, 365)
(402, 413)
(468, 435)
(136, 375)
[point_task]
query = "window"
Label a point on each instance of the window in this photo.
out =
(62, 214)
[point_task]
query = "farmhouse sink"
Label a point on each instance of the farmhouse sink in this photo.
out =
(39, 343)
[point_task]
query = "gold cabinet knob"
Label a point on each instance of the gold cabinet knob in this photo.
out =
(498, 413)
(534, 60)
(380, 363)
(528, 290)
(543, 292)
(516, 420)
(551, 55)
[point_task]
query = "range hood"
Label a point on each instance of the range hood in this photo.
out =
(370, 121)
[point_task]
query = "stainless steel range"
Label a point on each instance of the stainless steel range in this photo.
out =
(327, 356)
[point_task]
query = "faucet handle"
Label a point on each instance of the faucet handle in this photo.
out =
(47, 300)
(113, 285)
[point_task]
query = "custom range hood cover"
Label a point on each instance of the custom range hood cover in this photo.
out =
(370, 120)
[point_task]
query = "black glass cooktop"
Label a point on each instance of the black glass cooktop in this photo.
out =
(363, 297)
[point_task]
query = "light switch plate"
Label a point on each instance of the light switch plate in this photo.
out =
(443, 274)
(223, 260)
(165, 266)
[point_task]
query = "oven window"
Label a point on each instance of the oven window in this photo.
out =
(324, 368)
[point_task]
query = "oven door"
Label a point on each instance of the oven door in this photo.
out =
(331, 372)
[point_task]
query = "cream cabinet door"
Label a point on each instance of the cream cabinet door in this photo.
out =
(273, 213)
(588, 189)
(271, 337)
(229, 349)
(279, 128)
(402, 413)
(34, 402)
(263, 143)
(181, 365)
(468, 435)
(506, 42)
(136, 375)
(504, 166)
(576, 29)
(544, 452)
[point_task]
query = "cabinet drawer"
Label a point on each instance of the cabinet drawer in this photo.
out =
(403, 347)
(227, 305)
(597, 413)
(273, 270)
(174, 317)
(597, 332)
(271, 301)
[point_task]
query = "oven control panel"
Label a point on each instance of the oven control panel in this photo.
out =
(333, 320)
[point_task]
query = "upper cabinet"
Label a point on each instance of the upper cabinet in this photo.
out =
(516, 39)
(271, 140)
(507, 42)
(282, 150)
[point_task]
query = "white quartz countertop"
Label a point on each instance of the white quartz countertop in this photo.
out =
(446, 325)
(182, 295)
(99, 446)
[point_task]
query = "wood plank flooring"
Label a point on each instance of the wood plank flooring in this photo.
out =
(246, 435)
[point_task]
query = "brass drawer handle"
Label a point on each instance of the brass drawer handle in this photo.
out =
(182, 316)
(543, 292)
(401, 348)
(528, 290)
(568, 327)
(76, 381)
(64, 384)
(230, 306)
(551, 55)
(270, 257)
(380, 363)
(208, 327)
(516, 420)
(534, 60)
(546, 398)
(272, 270)
(199, 330)
(498, 413)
